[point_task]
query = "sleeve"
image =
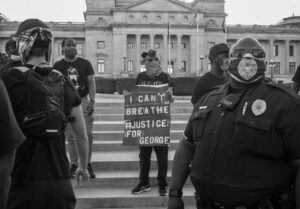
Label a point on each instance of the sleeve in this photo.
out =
(137, 79)
(72, 98)
(296, 77)
(11, 134)
(89, 68)
(198, 91)
(290, 124)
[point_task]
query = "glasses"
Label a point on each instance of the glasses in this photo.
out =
(255, 53)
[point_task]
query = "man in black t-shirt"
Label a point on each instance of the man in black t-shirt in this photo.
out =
(41, 175)
(11, 138)
(218, 56)
(296, 81)
(81, 73)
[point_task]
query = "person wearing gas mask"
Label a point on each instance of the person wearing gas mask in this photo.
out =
(43, 100)
(153, 76)
(218, 57)
(81, 73)
(242, 141)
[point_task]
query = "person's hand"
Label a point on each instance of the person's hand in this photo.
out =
(171, 94)
(90, 108)
(81, 177)
(125, 92)
(175, 203)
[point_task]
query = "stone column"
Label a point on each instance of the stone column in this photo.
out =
(151, 41)
(178, 52)
(287, 55)
(165, 64)
(138, 52)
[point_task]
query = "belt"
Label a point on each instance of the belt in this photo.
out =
(207, 204)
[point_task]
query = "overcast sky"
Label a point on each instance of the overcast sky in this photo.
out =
(262, 12)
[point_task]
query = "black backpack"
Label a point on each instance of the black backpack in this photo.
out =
(43, 117)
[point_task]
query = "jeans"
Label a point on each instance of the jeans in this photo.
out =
(162, 162)
(89, 120)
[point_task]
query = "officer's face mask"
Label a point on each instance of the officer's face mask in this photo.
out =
(246, 69)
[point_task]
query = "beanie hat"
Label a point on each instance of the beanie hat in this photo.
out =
(216, 50)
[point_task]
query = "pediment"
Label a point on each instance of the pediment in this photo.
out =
(160, 5)
(101, 54)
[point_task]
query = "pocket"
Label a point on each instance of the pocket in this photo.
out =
(254, 136)
(199, 120)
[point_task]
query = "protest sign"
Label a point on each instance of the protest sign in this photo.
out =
(147, 116)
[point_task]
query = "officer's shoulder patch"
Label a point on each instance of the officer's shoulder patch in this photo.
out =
(282, 88)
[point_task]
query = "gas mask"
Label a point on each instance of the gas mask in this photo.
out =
(247, 64)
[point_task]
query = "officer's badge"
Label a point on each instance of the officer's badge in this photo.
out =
(259, 107)
(247, 68)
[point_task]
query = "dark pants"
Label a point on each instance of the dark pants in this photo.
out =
(162, 162)
(43, 194)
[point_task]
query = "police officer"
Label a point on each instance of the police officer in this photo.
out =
(242, 141)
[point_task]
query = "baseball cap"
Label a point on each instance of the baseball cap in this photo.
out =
(29, 24)
(218, 49)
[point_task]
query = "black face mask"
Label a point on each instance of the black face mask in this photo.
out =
(246, 70)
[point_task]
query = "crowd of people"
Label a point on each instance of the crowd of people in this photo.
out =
(240, 147)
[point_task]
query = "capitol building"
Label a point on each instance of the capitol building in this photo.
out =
(116, 32)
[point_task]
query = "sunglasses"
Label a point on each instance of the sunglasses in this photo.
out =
(255, 53)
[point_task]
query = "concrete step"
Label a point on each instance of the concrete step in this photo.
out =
(119, 125)
(116, 145)
(123, 178)
(118, 134)
(120, 117)
(120, 110)
(95, 197)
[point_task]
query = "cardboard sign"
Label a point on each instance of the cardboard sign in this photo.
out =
(147, 116)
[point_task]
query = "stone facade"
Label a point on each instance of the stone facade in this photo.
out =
(116, 32)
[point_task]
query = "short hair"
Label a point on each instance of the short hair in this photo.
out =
(64, 41)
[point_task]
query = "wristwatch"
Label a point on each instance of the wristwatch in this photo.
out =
(175, 193)
(92, 100)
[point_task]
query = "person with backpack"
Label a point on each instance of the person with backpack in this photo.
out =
(43, 100)
(11, 138)
(81, 73)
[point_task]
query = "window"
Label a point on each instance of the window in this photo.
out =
(275, 50)
(79, 48)
(183, 66)
(130, 45)
(59, 49)
(186, 18)
(100, 66)
(131, 17)
(100, 20)
(292, 68)
(183, 45)
(171, 67)
(170, 45)
(130, 65)
(100, 44)
(158, 17)
(172, 18)
(210, 44)
(156, 46)
(276, 68)
(143, 68)
(145, 17)
(291, 50)
(143, 45)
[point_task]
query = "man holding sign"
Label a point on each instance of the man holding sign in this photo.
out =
(155, 103)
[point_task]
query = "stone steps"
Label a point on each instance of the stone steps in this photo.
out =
(117, 166)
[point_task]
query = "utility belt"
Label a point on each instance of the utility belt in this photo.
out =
(279, 200)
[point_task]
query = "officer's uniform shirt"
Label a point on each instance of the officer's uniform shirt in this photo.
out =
(244, 153)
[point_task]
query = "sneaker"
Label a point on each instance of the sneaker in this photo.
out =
(73, 169)
(90, 170)
(140, 189)
(162, 190)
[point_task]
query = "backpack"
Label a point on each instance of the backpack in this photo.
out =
(43, 117)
